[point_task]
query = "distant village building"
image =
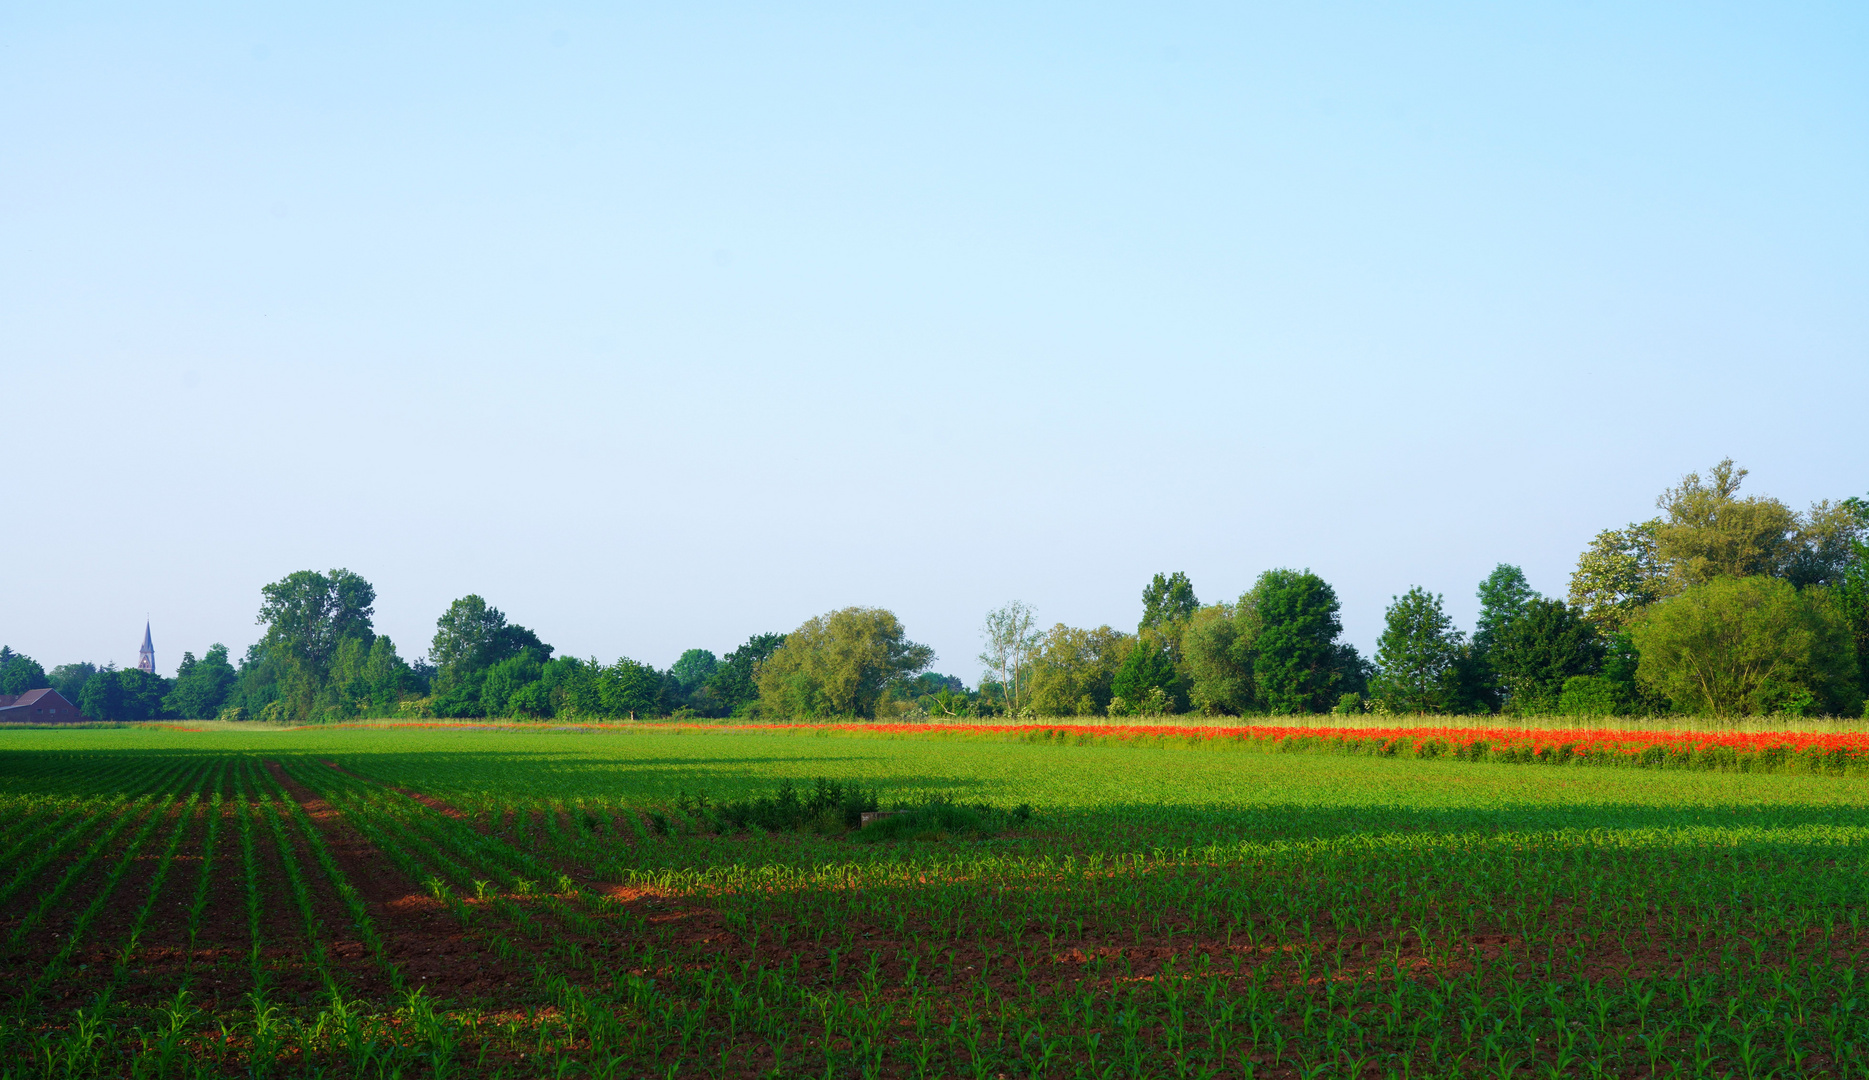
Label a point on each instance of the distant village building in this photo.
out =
(38, 707)
(147, 660)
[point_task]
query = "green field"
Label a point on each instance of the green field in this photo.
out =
(535, 903)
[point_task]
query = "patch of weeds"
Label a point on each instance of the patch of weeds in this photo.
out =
(828, 808)
(940, 818)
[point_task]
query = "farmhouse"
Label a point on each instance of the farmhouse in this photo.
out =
(38, 707)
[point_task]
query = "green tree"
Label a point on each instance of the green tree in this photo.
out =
(368, 678)
(1149, 680)
(142, 694)
(1012, 644)
(1295, 657)
(1618, 575)
(1537, 652)
(506, 679)
(102, 695)
(1072, 671)
(20, 673)
(1167, 602)
(1504, 596)
(470, 638)
(734, 686)
(1829, 543)
(839, 664)
(693, 669)
(1419, 656)
(1710, 532)
(308, 616)
(1753, 645)
(201, 686)
(69, 679)
(1218, 649)
(1851, 596)
(471, 635)
(631, 689)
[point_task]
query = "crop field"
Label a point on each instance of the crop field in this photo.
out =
(669, 903)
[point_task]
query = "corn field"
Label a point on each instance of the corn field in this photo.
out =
(403, 904)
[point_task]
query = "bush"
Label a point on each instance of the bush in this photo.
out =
(829, 803)
(940, 818)
(1590, 695)
(833, 809)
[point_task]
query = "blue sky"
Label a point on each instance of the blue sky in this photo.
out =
(660, 326)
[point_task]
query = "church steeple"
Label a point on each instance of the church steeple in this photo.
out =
(147, 659)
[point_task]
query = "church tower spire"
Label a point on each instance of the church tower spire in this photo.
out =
(147, 659)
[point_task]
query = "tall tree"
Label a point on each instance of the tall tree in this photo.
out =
(1294, 661)
(1547, 643)
(1711, 532)
(839, 664)
(1618, 575)
(1504, 596)
(1218, 649)
(201, 686)
(1168, 601)
(307, 613)
(693, 669)
(472, 635)
(102, 695)
(1073, 670)
(69, 679)
(20, 673)
(1012, 643)
(1149, 681)
(1418, 657)
(1756, 645)
(734, 686)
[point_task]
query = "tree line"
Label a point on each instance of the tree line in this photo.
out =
(1720, 605)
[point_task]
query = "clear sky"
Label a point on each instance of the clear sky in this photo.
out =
(663, 325)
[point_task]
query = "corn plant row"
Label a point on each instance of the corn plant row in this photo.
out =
(250, 865)
(353, 901)
(75, 936)
(104, 814)
(183, 821)
(301, 894)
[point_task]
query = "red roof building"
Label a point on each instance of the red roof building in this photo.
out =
(39, 707)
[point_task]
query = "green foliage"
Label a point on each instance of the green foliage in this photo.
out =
(127, 695)
(1504, 596)
(1420, 656)
(1297, 666)
(1074, 669)
(1149, 682)
(693, 669)
(734, 685)
(1591, 695)
(1618, 575)
(839, 664)
(1167, 600)
(20, 673)
(1217, 647)
(1753, 645)
(938, 818)
(473, 636)
(201, 686)
(1013, 641)
(1711, 533)
(1538, 651)
(829, 805)
(69, 679)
